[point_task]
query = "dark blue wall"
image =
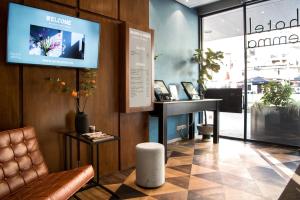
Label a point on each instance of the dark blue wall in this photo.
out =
(176, 38)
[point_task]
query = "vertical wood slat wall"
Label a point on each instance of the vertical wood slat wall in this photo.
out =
(25, 98)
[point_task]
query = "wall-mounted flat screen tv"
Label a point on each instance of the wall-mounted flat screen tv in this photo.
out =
(41, 37)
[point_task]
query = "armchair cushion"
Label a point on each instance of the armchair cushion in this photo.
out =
(21, 161)
(54, 186)
(24, 173)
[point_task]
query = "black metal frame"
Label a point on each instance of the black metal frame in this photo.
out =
(244, 6)
(68, 137)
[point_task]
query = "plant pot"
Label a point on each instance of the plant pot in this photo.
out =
(81, 123)
(271, 122)
(206, 131)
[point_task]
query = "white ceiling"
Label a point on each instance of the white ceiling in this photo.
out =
(195, 3)
(230, 23)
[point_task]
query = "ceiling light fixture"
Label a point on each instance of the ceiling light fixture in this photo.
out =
(196, 3)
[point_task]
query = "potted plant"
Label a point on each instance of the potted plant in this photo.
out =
(276, 111)
(86, 88)
(209, 62)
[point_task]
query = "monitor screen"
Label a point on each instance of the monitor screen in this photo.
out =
(160, 86)
(190, 88)
(41, 37)
(232, 98)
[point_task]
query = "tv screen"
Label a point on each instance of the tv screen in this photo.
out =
(41, 37)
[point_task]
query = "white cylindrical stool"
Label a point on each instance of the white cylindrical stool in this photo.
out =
(150, 164)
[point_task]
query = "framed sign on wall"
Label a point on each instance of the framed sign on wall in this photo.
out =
(137, 69)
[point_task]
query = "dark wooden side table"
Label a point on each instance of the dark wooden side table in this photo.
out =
(171, 108)
(68, 151)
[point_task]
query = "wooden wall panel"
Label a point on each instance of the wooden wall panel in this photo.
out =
(9, 96)
(133, 130)
(67, 2)
(47, 111)
(103, 107)
(9, 80)
(104, 7)
(135, 12)
(47, 5)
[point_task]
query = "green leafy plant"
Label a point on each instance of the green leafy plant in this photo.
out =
(209, 61)
(277, 94)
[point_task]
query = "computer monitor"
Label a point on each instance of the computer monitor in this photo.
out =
(161, 91)
(232, 98)
(190, 90)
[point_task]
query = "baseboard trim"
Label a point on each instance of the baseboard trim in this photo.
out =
(174, 140)
(179, 139)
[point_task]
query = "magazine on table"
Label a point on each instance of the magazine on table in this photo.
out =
(98, 136)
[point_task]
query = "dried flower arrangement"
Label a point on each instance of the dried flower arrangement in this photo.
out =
(87, 86)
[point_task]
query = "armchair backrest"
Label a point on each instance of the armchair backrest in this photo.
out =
(21, 161)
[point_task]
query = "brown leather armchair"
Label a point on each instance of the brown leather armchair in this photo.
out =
(24, 173)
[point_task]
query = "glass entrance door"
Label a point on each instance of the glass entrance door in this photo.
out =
(224, 32)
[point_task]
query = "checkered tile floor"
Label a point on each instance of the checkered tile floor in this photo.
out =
(231, 170)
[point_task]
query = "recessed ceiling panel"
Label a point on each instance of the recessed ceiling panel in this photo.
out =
(195, 3)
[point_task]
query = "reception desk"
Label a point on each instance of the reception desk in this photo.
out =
(170, 108)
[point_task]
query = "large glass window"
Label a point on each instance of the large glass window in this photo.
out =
(272, 86)
(273, 51)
